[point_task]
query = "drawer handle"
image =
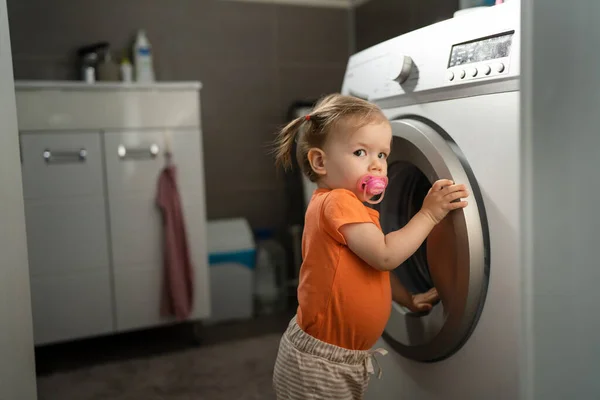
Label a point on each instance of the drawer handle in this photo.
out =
(65, 156)
(150, 152)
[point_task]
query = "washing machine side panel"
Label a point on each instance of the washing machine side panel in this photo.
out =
(486, 128)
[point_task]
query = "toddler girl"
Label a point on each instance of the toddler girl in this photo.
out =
(344, 293)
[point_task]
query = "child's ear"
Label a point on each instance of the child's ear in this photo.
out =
(316, 157)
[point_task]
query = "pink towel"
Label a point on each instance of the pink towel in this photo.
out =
(178, 286)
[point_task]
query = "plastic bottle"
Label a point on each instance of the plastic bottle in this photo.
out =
(107, 69)
(142, 53)
(126, 70)
(265, 285)
(270, 262)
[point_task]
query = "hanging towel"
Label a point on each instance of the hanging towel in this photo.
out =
(178, 287)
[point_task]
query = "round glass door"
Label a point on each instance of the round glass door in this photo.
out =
(455, 257)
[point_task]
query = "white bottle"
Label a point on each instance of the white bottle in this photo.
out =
(270, 258)
(142, 52)
(126, 70)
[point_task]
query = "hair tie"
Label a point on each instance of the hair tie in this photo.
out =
(307, 117)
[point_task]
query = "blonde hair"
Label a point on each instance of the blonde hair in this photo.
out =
(312, 130)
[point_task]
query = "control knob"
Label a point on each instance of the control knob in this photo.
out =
(400, 68)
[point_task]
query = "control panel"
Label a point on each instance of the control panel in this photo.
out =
(468, 50)
(480, 58)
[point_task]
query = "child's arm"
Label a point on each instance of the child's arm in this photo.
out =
(419, 302)
(386, 252)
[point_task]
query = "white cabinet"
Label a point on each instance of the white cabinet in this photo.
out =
(93, 226)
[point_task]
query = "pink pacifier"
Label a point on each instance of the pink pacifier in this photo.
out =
(372, 186)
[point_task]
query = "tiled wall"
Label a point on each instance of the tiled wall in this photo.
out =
(379, 20)
(253, 59)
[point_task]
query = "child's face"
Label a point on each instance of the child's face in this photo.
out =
(347, 157)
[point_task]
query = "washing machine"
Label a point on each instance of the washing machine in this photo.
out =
(451, 93)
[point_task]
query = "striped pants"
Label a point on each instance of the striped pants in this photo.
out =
(309, 369)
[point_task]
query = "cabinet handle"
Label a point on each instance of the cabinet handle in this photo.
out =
(150, 152)
(65, 156)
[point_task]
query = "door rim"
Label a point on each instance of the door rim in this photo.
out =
(437, 156)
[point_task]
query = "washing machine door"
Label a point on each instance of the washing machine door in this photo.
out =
(455, 257)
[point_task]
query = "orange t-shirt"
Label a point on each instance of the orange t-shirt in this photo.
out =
(342, 300)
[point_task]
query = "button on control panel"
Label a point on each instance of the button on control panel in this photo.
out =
(479, 71)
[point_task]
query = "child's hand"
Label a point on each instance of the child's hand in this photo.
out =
(443, 197)
(422, 302)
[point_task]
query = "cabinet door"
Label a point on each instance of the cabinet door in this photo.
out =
(71, 306)
(66, 223)
(60, 165)
(134, 161)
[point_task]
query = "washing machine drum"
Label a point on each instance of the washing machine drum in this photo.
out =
(455, 257)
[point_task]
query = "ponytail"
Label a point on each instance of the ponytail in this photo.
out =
(323, 119)
(284, 143)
